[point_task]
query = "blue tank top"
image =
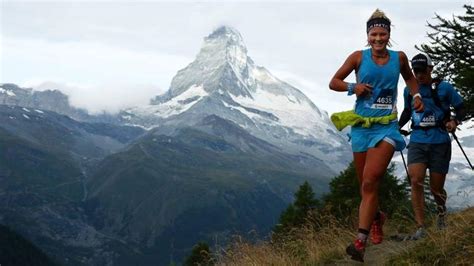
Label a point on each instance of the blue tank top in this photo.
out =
(384, 79)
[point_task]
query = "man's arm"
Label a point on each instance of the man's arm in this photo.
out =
(455, 100)
(460, 114)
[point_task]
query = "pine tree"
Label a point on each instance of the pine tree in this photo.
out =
(297, 212)
(200, 256)
(305, 202)
(451, 48)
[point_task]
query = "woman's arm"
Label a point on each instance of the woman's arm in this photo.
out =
(337, 82)
(411, 82)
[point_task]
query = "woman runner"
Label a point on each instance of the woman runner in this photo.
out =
(377, 71)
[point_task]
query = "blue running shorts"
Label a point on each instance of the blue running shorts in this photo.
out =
(365, 138)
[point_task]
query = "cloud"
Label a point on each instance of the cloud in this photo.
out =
(109, 98)
(95, 76)
(86, 62)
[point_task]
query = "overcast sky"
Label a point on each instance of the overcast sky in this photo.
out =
(107, 55)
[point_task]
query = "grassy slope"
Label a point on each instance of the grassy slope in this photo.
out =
(455, 245)
(25, 165)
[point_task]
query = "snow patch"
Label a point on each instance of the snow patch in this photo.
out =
(176, 105)
(292, 113)
(243, 111)
(237, 56)
(26, 110)
(8, 92)
(263, 76)
(465, 129)
(140, 126)
(25, 116)
(39, 111)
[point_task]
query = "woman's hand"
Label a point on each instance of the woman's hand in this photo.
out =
(362, 89)
(418, 105)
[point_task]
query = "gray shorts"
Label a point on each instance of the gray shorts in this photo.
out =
(435, 156)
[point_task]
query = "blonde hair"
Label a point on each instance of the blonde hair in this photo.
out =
(378, 14)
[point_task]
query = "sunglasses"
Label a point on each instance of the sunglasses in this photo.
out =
(419, 70)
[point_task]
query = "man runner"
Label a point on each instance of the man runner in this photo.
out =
(430, 144)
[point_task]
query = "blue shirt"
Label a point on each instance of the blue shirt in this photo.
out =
(384, 80)
(432, 114)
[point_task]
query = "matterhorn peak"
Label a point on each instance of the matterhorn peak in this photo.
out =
(224, 45)
(227, 34)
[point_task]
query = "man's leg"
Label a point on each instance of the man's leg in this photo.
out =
(418, 160)
(437, 188)
(440, 196)
(417, 173)
(439, 167)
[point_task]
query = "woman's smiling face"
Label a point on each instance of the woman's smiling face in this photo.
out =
(378, 38)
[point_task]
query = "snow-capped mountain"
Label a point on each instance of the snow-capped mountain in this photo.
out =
(224, 81)
(460, 179)
(51, 100)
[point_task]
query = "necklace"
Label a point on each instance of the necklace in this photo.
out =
(380, 56)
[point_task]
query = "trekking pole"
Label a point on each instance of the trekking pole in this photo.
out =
(405, 164)
(459, 144)
(405, 133)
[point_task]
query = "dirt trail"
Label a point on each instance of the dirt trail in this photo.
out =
(378, 254)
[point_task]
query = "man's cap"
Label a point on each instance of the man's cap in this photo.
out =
(421, 62)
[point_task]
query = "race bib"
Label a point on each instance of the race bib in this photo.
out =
(380, 99)
(428, 119)
(425, 119)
